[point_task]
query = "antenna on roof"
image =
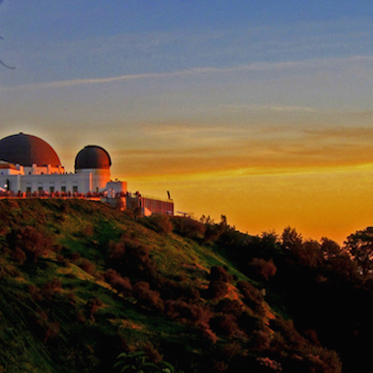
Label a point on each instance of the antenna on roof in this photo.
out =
(169, 195)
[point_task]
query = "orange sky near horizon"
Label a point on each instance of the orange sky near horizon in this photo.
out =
(319, 203)
(315, 179)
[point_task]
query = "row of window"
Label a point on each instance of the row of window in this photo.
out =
(52, 189)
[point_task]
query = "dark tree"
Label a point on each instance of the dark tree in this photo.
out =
(360, 247)
(330, 249)
(291, 239)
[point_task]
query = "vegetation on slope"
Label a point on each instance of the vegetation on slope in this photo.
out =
(82, 283)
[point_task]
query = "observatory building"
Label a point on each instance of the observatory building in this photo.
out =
(30, 167)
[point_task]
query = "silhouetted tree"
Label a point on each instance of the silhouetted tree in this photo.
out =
(330, 249)
(360, 247)
(311, 254)
(291, 239)
(214, 231)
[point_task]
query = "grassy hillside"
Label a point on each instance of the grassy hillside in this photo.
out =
(81, 283)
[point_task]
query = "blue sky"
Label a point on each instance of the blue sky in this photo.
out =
(91, 39)
(191, 88)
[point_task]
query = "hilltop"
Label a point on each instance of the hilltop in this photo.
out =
(82, 283)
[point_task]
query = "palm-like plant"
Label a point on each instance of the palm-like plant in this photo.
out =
(137, 362)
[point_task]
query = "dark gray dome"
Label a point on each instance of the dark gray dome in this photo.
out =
(92, 156)
(27, 150)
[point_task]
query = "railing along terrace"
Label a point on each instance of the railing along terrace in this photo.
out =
(62, 195)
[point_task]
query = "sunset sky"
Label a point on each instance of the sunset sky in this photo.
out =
(258, 110)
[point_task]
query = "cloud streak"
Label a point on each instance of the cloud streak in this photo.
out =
(293, 151)
(201, 71)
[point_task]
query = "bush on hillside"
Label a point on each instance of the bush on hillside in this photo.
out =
(93, 305)
(30, 240)
(219, 280)
(260, 340)
(160, 223)
(146, 297)
(122, 285)
(220, 274)
(187, 313)
(252, 296)
(130, 258)
(217, 290)
(87, 266)
(249, 322)
(229, 306)
(50, 288)
(18, 255)
(261, 269)
(179, 288)
(225, 324)
(188, 227)
(192, 314)
(116, 250)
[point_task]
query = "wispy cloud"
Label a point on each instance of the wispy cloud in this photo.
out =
(296, 150)
(292, 108)
(282, 108)
(345, 134)
(154, 75)
(202, 71)
(67, 83)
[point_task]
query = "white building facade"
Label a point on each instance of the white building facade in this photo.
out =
(30, 165)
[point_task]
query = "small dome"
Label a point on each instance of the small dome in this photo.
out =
(92, 156)
(27, 150)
